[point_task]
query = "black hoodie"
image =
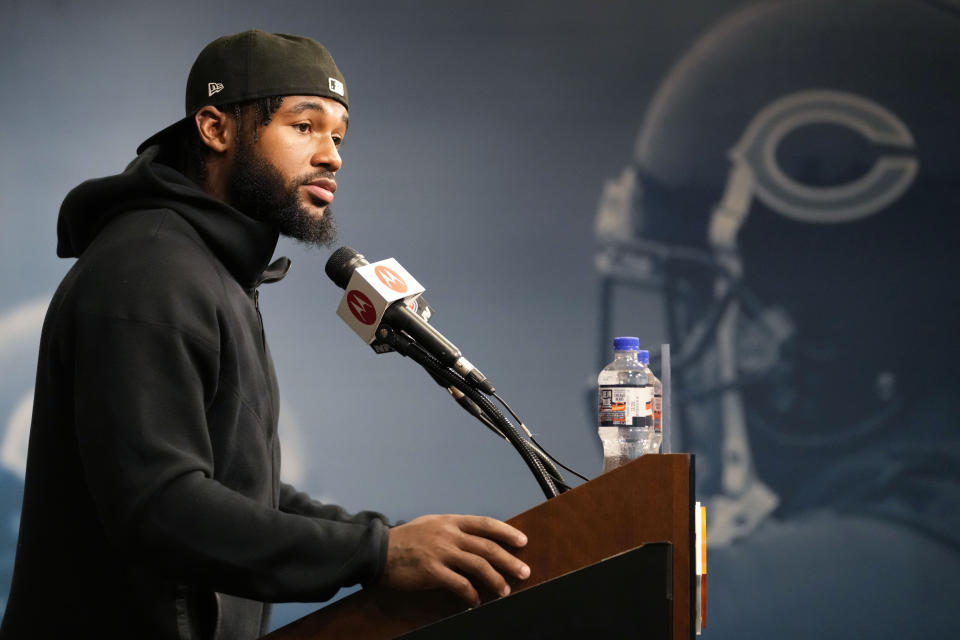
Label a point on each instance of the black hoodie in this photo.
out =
(152, 484)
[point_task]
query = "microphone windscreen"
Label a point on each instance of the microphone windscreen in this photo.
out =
(342, 264)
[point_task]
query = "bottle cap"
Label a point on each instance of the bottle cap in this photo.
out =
(626, 344)
(643, 356)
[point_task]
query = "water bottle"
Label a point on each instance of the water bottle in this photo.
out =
(656, 439)
(625, 420)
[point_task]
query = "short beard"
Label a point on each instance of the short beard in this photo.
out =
(257, 189)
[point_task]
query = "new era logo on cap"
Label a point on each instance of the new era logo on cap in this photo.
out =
(336, 86)
(214, 87)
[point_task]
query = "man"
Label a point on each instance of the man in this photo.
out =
(153, 506)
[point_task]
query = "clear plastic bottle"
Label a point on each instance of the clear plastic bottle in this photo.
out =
(624, 399)
(656, 439)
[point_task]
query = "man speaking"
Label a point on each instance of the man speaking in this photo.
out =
(153, 506)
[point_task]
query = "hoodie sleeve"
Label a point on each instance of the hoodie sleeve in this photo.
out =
(294, 501)
(141, 391)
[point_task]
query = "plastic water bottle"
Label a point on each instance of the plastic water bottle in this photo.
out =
(656, 439)
(624, 411)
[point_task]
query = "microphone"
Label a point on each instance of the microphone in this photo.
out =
(384, 294)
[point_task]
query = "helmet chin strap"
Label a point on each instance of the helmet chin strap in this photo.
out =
(746, 501)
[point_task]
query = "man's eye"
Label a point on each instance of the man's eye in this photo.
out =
(302, 127)
(337, 140)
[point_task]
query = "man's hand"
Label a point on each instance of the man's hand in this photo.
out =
(453, 552)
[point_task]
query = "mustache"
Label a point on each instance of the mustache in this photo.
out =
(323, 174)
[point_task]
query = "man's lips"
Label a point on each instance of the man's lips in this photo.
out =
(322, 189)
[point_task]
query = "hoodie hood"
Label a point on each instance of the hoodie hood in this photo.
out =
(243, 244)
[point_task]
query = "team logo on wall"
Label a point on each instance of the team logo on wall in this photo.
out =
(890, 175)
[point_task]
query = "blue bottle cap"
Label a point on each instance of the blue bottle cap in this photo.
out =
(643, 356)
(626, 344)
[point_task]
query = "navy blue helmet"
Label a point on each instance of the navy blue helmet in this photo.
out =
(792, 197)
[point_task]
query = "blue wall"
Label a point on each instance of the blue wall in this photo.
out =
(481, 137)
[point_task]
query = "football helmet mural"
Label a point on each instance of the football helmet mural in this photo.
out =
(791, 200)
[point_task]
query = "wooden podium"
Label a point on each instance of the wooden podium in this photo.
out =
(598, 534)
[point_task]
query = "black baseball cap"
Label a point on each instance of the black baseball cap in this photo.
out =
(256, 64)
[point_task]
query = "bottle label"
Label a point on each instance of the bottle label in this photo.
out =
(625, 406)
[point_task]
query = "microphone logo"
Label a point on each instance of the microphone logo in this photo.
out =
(390, 278)
(361, 307)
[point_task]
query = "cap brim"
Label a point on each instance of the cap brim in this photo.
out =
(161, 135)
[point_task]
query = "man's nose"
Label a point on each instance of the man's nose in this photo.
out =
(327, 155)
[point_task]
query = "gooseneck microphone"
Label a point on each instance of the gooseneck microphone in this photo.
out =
(383, 296)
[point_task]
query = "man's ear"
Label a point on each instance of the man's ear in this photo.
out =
(215, 128)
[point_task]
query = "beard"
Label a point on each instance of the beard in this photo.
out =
(257, 189)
